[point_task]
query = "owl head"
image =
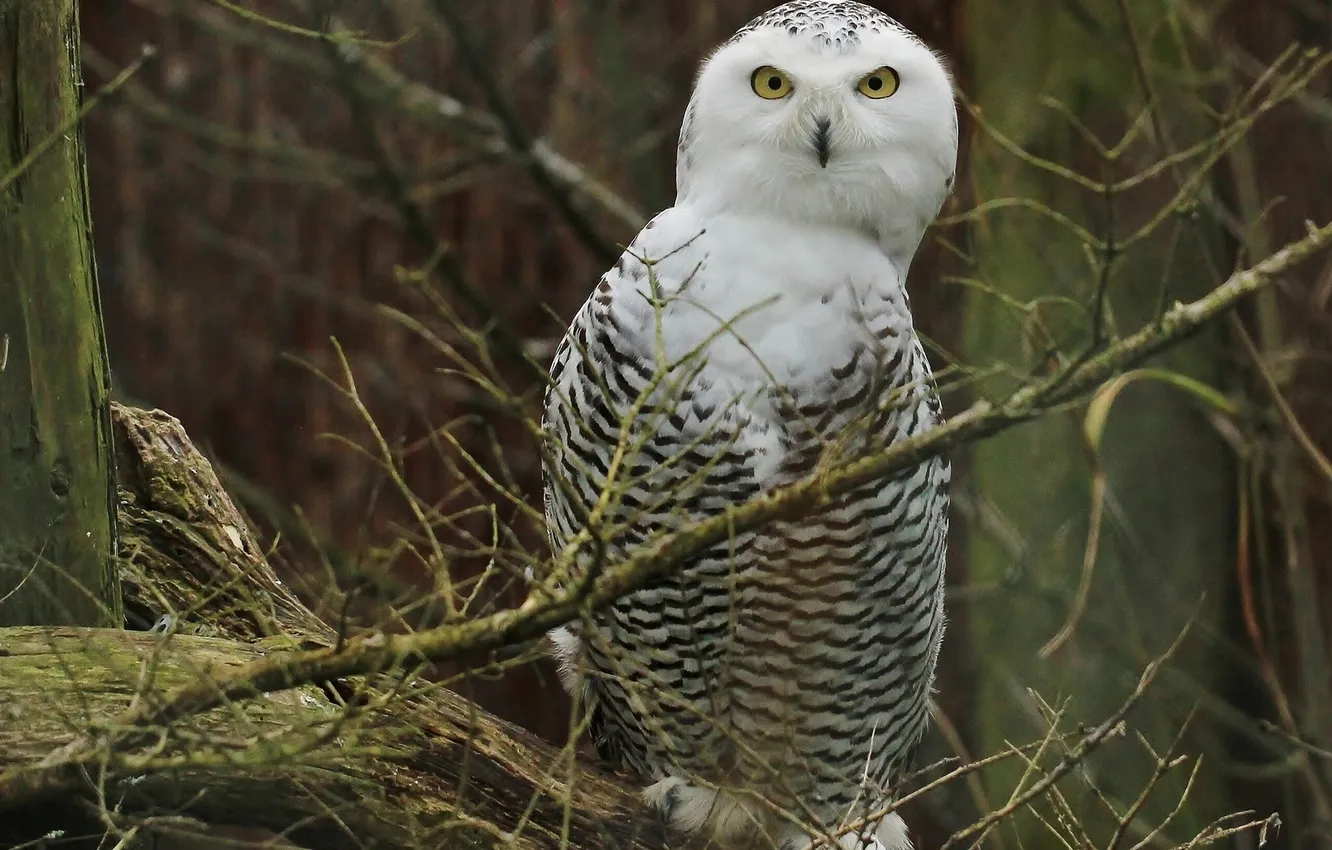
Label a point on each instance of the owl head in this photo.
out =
(826, 111)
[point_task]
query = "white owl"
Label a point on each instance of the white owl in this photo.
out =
(776, 685)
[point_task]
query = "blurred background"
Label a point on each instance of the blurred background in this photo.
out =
(259, 192)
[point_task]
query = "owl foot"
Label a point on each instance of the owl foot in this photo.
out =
(890, 835)
(693, 809)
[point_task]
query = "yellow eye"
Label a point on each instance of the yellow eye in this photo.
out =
(770, 84)
(879, 84)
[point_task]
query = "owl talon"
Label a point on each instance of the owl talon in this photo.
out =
(665, 798)
(667, 805)
(891, 834)
(689, 809)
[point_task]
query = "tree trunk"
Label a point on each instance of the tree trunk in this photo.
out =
(1082, 592)
(1283, 610)
(57, 521)
(421, 767)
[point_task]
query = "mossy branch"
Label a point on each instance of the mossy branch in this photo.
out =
(394, 762)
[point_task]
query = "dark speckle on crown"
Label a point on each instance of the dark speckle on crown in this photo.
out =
(836, 24)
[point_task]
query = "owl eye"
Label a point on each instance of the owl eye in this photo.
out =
(769, 83)
(879, 84)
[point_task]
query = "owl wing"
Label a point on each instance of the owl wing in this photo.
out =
(658, 446)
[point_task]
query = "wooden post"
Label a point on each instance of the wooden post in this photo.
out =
(57, 517)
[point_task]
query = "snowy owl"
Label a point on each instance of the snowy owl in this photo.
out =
(774, 687)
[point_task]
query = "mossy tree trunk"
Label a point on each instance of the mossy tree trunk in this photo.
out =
(1162, 548)
(57, 518)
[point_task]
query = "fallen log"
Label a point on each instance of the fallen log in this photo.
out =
(391, 761)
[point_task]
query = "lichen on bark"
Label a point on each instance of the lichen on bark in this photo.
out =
(57, 514)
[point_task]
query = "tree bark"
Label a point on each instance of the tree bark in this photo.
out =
(1281, 605)
(57, 528)
(419, 767)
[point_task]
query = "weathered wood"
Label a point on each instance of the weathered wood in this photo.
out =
(186, 550)
(424, 768)
(56, 517)
(423, 771)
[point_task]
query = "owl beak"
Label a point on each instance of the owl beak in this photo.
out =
(822, 139)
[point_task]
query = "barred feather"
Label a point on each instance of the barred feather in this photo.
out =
(805, 640)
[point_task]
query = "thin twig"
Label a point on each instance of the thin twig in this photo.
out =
(1301, 436)
(60, 133)
(1074, 757)
(347, 57)
(517, 137)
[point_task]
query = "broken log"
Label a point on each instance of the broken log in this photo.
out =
(391, 761)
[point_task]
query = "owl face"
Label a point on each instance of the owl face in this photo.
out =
(827, 111)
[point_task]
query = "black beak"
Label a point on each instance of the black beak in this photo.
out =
(822, 127)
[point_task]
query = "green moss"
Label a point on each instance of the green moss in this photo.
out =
(56, 496)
